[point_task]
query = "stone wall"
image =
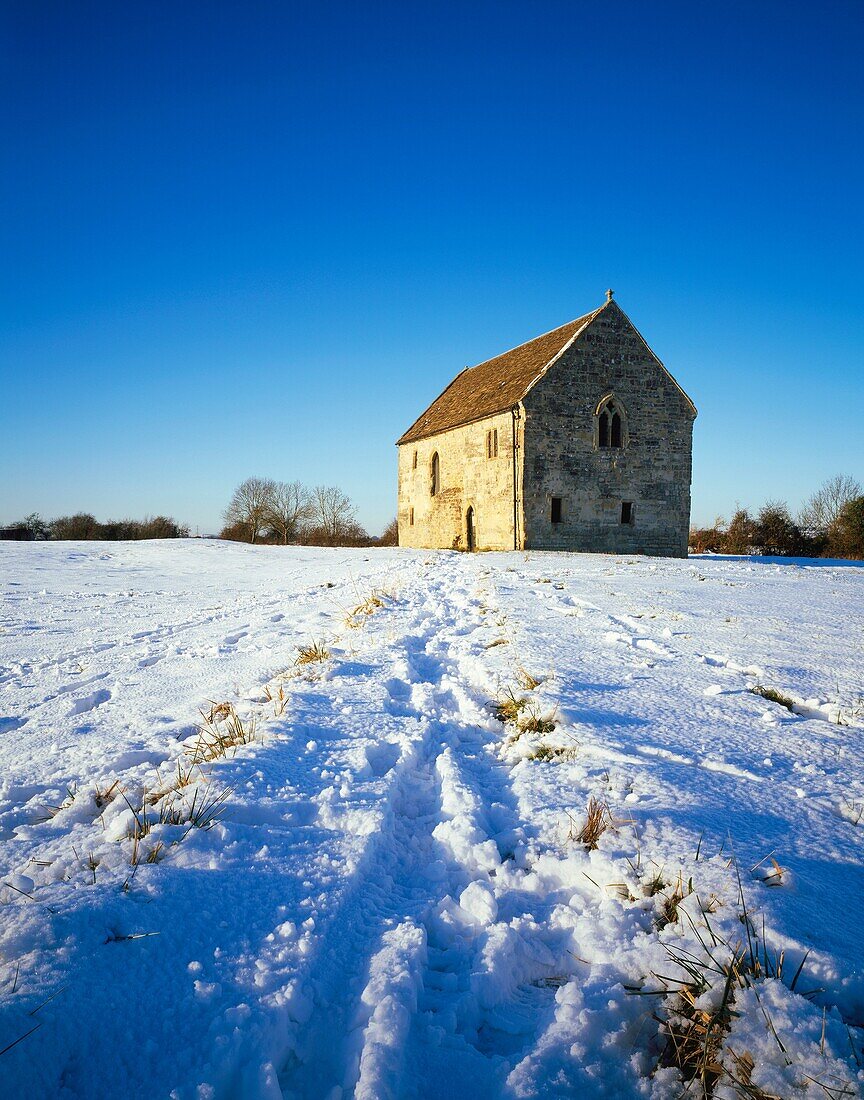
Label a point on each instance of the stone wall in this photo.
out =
(562, 459)
(468, 478)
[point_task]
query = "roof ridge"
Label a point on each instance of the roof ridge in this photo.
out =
(539, 336)
(587, 319)
(497, 383)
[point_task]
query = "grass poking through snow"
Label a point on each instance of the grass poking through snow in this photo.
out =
(221, 732)
(312, 653)
(598, 819)
(773, 696)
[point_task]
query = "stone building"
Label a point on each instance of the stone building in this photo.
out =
(578, 440)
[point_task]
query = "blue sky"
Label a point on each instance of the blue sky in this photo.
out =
(258, 238)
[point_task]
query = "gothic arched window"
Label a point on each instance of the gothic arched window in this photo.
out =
(611, 423)
(435, 470)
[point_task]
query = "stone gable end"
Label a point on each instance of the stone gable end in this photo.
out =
(650, 472)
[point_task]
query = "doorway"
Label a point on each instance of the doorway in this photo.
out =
(469, 526)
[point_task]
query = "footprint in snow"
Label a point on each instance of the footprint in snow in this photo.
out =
(135, 757)
(399, 703)
(90, 702)
(382, 757)
(664, 754)
(730, 769)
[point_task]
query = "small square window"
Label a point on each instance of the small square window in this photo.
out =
(626, 511)
(556, 509)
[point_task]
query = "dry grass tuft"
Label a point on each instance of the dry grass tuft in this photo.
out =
(669, 908)
(184, 775)
(278, 698)
(773, 696)
(508, 708)
(312, 653)
(365, 608)
(533, 721)
(523, 713)
(526, 681)
(652, 885)
(598, 819)
(103, 798)
(50, 811)
(554, 754)
(697, 1008)
(202, 811)
(221, 732)
(206, 807)
(772, 875)
(695, 1034)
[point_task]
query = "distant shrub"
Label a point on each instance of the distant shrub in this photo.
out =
(236, 532)
(740, 535)
(84, 526)
(80, 526)
(775, 532)
(163, 527)
(846, 534)
(390, 537)
(707, 540)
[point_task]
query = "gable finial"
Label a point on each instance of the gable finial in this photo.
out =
(609, 294)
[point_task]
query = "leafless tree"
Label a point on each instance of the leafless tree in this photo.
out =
(251, 505)
(823, 509)
(332, 514)
(290, 507)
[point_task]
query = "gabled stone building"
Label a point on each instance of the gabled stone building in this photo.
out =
(577, 440)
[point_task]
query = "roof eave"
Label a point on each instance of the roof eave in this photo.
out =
(408, 438)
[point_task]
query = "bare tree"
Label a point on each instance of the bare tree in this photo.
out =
(251, 505)
(290, 507)
(823, 509)
(333, 514)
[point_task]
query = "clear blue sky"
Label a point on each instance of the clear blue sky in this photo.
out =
(258, 238)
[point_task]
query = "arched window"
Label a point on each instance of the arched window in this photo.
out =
(611, 423)
(435, 470)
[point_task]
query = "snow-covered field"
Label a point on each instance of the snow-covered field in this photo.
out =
(394, 897)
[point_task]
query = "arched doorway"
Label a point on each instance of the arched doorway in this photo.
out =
(471, 533)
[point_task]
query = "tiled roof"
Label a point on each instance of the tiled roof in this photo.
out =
(494, 386)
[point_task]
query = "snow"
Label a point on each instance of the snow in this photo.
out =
(386, 894)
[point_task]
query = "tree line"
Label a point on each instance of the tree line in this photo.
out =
(830, 524)
(84, 526)
(262, 510)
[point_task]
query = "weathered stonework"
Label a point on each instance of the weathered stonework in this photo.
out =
(559, 487)
(469, 479)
